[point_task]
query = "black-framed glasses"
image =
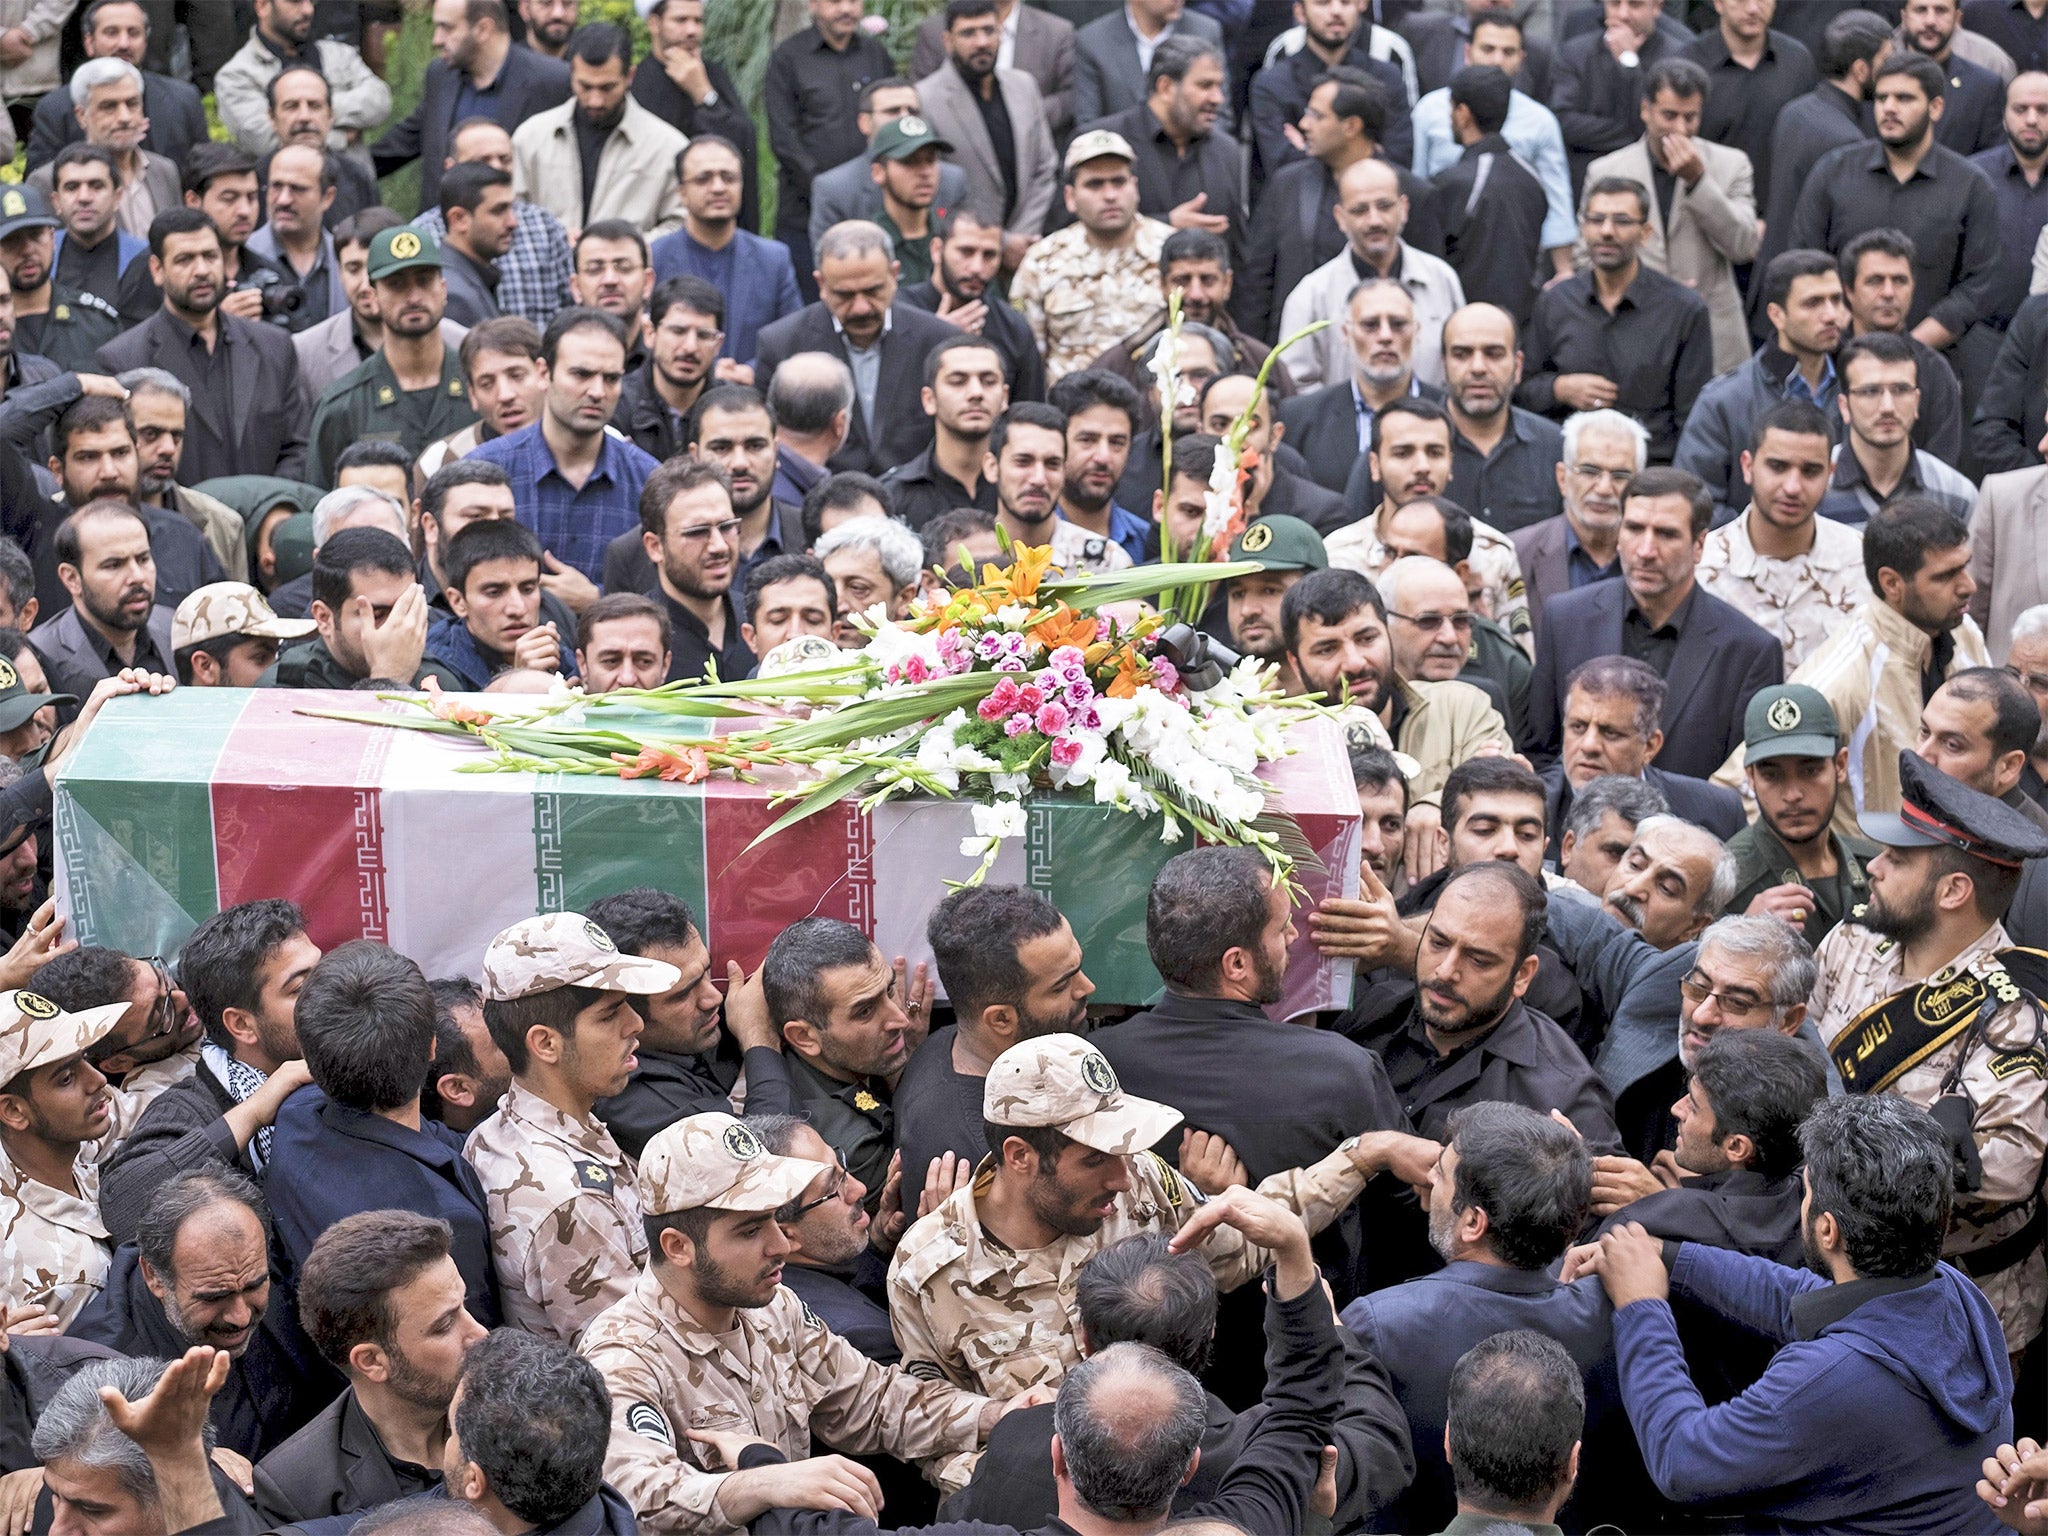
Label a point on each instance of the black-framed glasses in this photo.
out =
(1699, 986)
(163, 1013)
(1432, 622)
(790, 1215)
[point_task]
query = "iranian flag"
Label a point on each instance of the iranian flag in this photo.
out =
(173, 808)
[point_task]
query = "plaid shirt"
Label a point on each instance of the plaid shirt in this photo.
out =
(575, 526)
(533, 276)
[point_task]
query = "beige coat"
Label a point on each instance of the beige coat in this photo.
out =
(43, 20)
(1869, 672)
(636, 174)
(2008, 555)
(1713, 229)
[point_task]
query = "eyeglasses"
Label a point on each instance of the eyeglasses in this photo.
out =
(1595, 473)
(2034, 682)
(1460, 622)
(1699, 986)
(790, 1215)
(729, 529)
(163, 1013)
(1880, 391)
(1393, 323)
(710, 178)
(1617, 221)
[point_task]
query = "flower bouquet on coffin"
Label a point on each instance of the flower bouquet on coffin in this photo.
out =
(1029, 682)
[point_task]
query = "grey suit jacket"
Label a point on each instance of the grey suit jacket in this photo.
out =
(1107, 75)
(328, 350)
(69, 658)
(951, 109)
(848, 191)
(1045, 52)
(1546, 563)
(2009, 512)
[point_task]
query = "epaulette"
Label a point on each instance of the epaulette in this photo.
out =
(917, 1264)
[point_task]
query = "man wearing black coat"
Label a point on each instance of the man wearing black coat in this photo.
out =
(889, 341)
(1490, 205)
(1216, 926)
(480, 67)
(177, 116)
(32, 1368)
(211, 1225)
(1440, 39)
(695, 95)
(2006, 433)
(1138, 1292)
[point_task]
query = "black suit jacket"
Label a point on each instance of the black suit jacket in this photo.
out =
(336, 1465)
(1722, 659)
(1322, 426)
(529, 83)
(901, 430)
(1711, 806)
(177, 121)
(266, 434)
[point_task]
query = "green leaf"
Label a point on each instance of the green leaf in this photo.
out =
(828, 793)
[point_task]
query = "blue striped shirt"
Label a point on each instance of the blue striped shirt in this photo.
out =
(573, 525)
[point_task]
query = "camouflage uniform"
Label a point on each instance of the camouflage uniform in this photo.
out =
(1078, 299)
(54, 1249)
(1502, 597)
(985, 1317)
(1078, 552)
(781, 1375)
(567, 1235)
(1800, 600)
(2007, 1082)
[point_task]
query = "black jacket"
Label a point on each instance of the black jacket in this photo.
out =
(472, 287)
(1492, 207)
(1722, 659)
(853, 1303)
(1823, 119)
(645, 417)
(31, 1371)
(726, 117)
(528, 83)
(182, 1129)
(901, 429)
(336, 1465)
(1439, 38)
(1013, 1480)
(1322, 426)
(1712, 806)
(274, 1387)
(2009, 413)
(1267, 1487)
(266, 432)
(665, 1088)
(1311, 1090)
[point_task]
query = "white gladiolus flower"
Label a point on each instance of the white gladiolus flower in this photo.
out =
(1217, 504)
(1006, 818)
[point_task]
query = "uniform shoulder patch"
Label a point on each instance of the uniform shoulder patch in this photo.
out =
(2007, 1064)
(646, 1419)
(594, 1175)
(1178, 1191)
(811, 1319)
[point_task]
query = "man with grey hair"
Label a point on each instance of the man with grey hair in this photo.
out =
(1603, 450)
(1675, 879)
(1612, 724)
(139, 1461)
(872, 560)
(198, 1274)
(106, 96)
(1601, 825)
(352, 506)
(2027, 660)
(811, 397)
(860, 320)
(158, 403)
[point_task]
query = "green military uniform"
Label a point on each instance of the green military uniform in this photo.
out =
(1761, 861)
(856, 1120)
(367, 405)
(899, 140)
(1497, 656)
(311, 665)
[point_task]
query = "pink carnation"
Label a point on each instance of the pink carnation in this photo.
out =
(1016, 725)
(1066, 751)
(1165, 676)
(915, 670)
(1052, 719)
(1002, 701)
(1030, 696)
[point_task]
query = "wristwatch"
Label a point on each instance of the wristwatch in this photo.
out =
(710, 97)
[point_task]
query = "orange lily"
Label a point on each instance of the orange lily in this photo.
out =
(1021, 580)
(1130, 672)
(689, 766)
(442, 707)
(1065, 627)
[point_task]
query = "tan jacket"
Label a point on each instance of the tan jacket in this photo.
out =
(781, 1377)
(636, 174)
(220, 525)
(1446, 723)
(2008, 555)
(43, 20)
(1869, 672)
(2008, 1095)
(1713, 230)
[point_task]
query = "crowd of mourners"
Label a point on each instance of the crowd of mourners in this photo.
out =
(1653, 508)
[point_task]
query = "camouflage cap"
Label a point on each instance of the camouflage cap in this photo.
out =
(35, 1032)
(224, 608)
(1063, 1082)
(566, 949)
(17, 703)
(1096, 144)
(713, 1160)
